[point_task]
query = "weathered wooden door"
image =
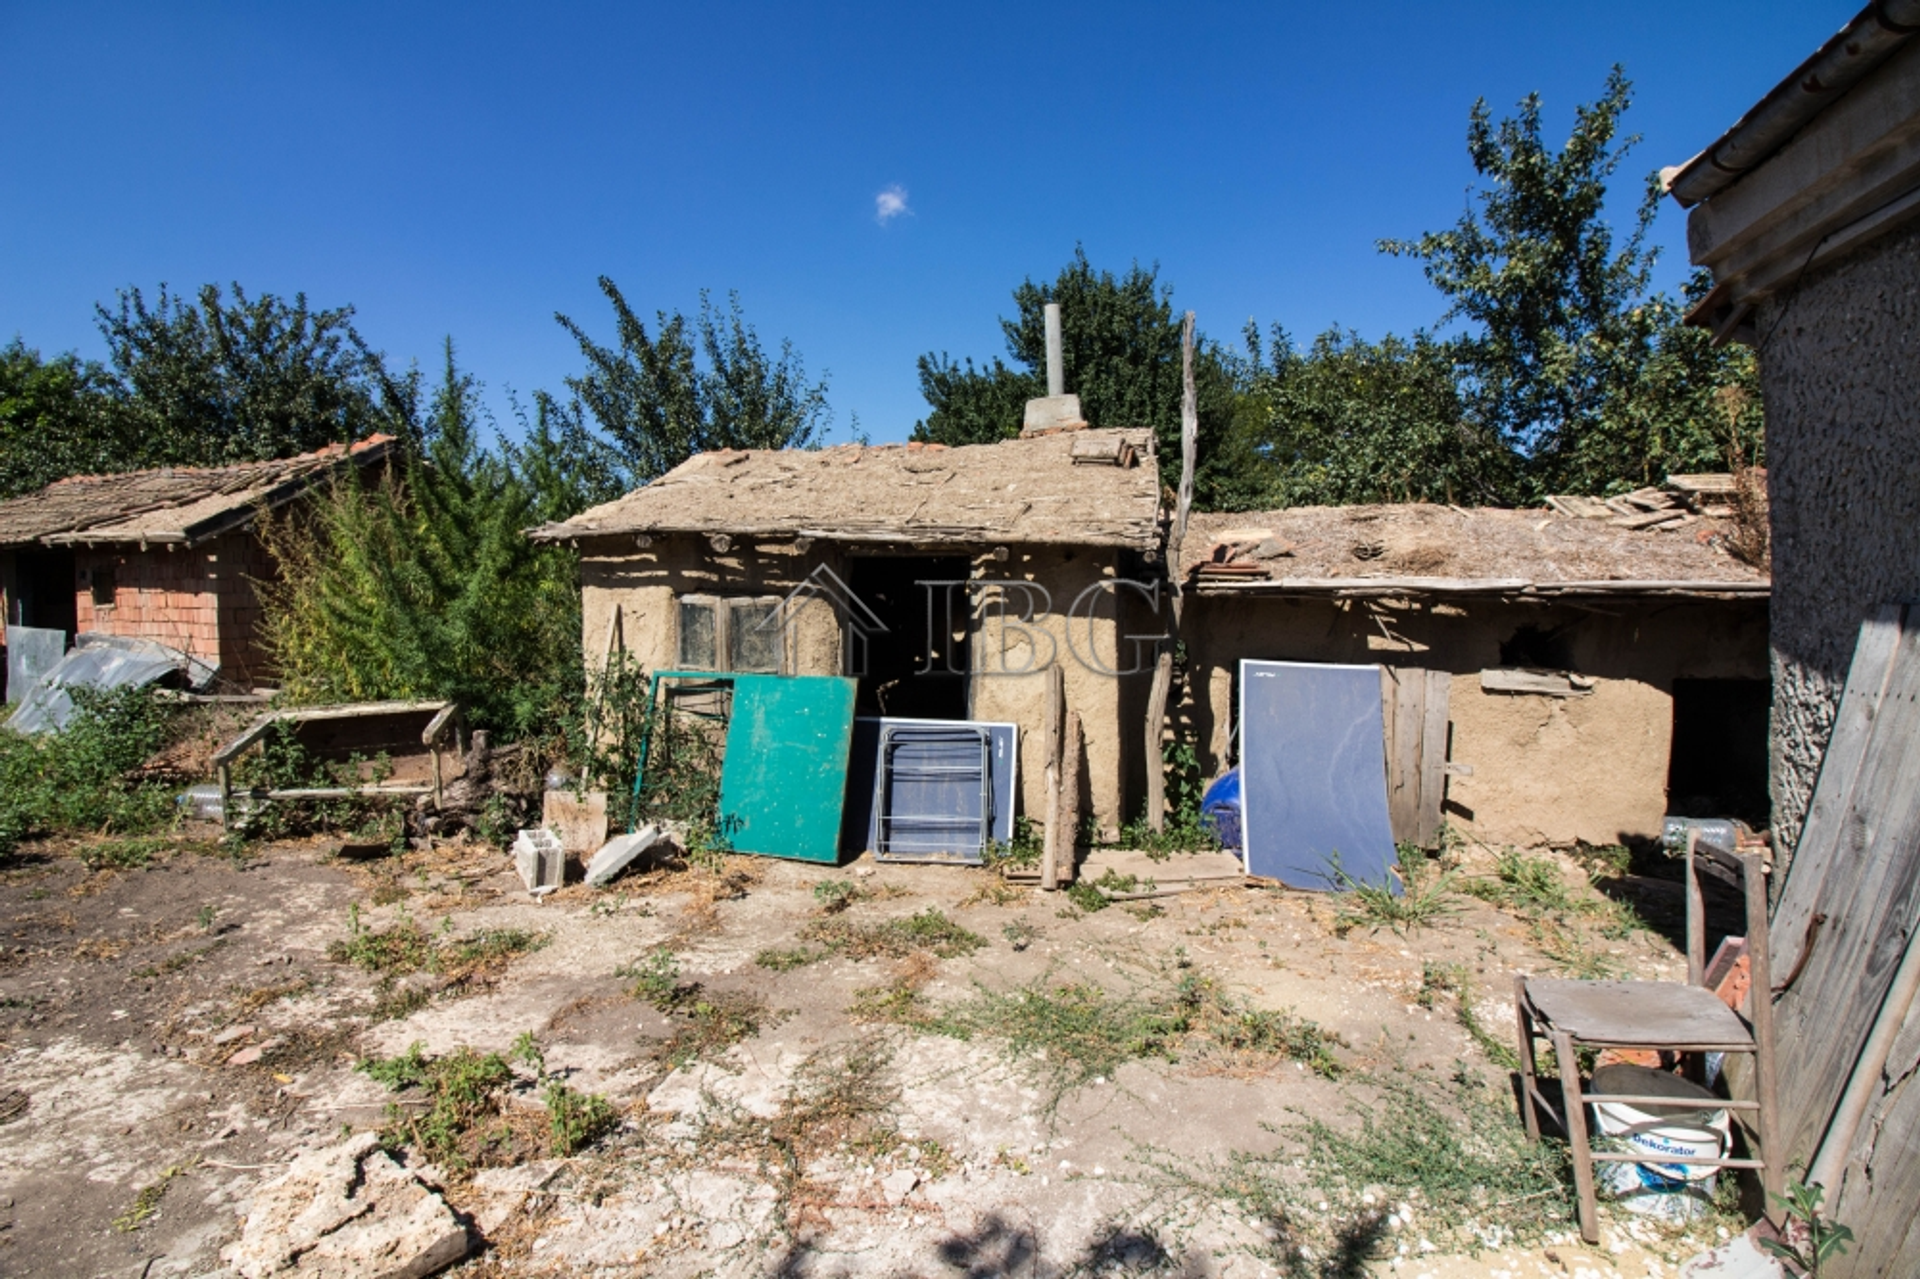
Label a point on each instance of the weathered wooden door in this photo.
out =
(1414, 701)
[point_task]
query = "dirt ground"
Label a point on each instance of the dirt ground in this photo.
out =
(787, 1103)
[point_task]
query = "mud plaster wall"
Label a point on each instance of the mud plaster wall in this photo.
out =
(1546, 769)
(1006, 655)
(200, 600)
(1081, 631)
(1840, 377)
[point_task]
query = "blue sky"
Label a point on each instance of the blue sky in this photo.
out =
(469, 170)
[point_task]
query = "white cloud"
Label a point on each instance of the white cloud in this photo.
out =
(890, 204)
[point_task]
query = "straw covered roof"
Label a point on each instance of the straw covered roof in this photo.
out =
(176, 504)
(1425, 549)
(1030, 490)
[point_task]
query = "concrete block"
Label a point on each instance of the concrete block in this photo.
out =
(1053, 413)
(540, 859)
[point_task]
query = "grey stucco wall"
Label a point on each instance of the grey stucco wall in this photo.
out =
(1840, 374)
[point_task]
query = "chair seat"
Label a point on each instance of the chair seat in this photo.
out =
(1649, 1014)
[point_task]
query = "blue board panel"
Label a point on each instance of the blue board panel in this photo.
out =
(1313, 774)
(861, 831)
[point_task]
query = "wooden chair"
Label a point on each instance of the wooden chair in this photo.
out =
(1666, 1016)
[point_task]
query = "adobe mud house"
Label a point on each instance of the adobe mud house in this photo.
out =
(1595, 676)
(169, 554)
(983, 564)
(1025, 545)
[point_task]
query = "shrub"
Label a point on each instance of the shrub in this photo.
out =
(82, 778)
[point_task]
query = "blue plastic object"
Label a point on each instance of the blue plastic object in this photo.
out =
(1220, 809)
(1313, 763)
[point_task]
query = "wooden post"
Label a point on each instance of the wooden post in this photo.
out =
(1773, 1177)
(1067, 865)
(1696, 917)
(1056, 706)
(1163, 661)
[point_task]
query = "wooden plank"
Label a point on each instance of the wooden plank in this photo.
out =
(1055, 725)
(1717, 482)
(341, 792)
(1820, 832)
(1546, 683)
(1434, 716)
(1650, 520)
(1211, 869)
(1071, 750)
(1580, 508)
(251, 734)
(1877, 1198)
(1403, 694)
(1871, 897)
(1155, 731)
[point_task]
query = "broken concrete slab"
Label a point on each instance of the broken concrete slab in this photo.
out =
(540, 859)
(618, 853)
(348, 1210)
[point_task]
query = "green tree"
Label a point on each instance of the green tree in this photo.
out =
(1567, 358)
(1688, 406)
(58, 417)
(216, 381)
(691, 387)
(1120, 341)
(424, 584)
(1352, 421)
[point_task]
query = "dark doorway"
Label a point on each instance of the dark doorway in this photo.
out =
(918, 667)
(1718, 766)
(43, 590)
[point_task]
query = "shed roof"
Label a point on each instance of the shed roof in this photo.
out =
(1425, 549)
(1022, 490)
(175, 504)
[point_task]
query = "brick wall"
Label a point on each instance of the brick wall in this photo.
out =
(197, 600)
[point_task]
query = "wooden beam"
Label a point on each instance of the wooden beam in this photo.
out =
(1543, 683)
(1071, 750)
(1434, 706)
(1176, 535)
(1055, 727)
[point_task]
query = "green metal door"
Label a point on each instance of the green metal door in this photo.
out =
(785, 777)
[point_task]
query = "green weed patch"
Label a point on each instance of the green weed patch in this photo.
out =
(1072, 1033)
(1426, 897)
(704, 1021)
(466, 1121)
(1424, 1159)
(930, 930)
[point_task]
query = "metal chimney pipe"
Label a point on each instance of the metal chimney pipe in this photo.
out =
(1056, 362)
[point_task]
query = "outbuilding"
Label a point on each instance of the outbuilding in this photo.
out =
(1591, 676)
(945, 580)
(169, 554)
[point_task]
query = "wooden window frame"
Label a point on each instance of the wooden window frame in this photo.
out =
(722, 608)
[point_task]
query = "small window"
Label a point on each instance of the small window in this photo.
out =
(731, 634)
(103, 587)
(753, 636)
(697, 633)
